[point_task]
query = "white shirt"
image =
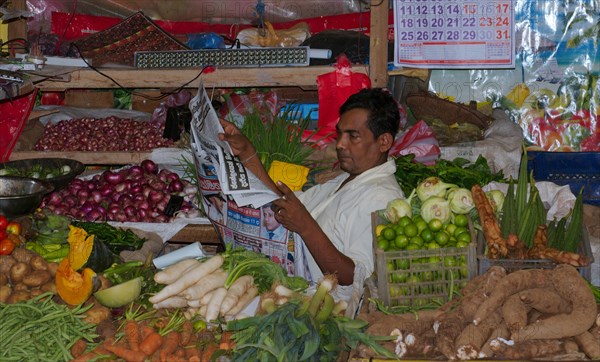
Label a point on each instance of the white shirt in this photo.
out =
(345, 217)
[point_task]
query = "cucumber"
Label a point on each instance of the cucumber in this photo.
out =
(120, 294)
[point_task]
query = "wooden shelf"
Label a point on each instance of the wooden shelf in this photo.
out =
(87, 158)
(54, 78)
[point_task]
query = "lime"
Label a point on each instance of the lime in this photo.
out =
(428, 276)
(401, 241)
(461, 220)
(461, 244)
(412, 246)
(199, 325)
(464, 271)
(449, 261)
(417, 218)
(388, 233)
(399, 230)
(390, 265)
(411, 230)
(421, 225)
(383, 244)
(427, 235)
(433, 245)
(404, 220)
(417, 240)
(435, 259)
(464, 237)
(402, 264)
(399, 277)
(450, 228)
(460, 230)
(435, 224)
(442, 238)
(378, 229)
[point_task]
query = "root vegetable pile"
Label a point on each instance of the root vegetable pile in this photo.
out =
(199, 288)
(25, 275)
(106, 134)
(526, 314)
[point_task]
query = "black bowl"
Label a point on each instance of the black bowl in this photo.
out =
(25, 168)
(21, 195)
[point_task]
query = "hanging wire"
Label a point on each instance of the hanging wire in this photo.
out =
(260, 11)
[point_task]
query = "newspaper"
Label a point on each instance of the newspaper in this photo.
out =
(236, 202)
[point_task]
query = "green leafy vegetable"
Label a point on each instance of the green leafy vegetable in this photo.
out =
(240, 261)
(116, 239)
(459, 171)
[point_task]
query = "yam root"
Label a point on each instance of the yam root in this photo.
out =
(472, 338)
(501, 331)
(491, 229)
(590, 344)
(528, 349)
(545, 300)
(573, 288)
(540, 250)
(514, 312)
(509, 285)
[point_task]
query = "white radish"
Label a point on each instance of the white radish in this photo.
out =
(244, 300)
(202, 311)
(191, 277)
(206, 298)
(194, 303)
(235, 291)
(205, 285)
(173, 272)
(214, 306)
(171, 302)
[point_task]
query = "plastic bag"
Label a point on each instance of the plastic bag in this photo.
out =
(334, 88)
(15, 113)
(420, 141)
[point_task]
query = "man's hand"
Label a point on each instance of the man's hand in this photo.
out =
(290, 212)
(240, 144)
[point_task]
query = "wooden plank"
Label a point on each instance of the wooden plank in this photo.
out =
(378, 43)
(87, 158)
(303, 77)
(17, 28)
(205, 234)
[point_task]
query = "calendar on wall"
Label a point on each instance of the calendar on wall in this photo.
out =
(454, 34)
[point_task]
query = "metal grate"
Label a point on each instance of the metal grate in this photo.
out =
(243, 57)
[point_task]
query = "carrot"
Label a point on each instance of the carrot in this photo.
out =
(132, 333)
(151, 343)
(125, 353)
(208, 351)
(170, 345)
(192, 353)
(100, 350)
(226, 341)
(78, 348)
(187, 329)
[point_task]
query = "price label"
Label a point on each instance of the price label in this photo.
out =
(454, 33)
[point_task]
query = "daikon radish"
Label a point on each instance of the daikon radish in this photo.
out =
(171, 302)
(235, 291)
(206, 298)
(191, 277)
(173, 272)
(194, 303)
(206, 285)
(214, 305)
(244, 300)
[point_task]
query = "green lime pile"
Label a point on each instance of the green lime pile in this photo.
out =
(417, 234)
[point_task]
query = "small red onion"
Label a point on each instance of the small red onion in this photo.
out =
(176, 186)
(149, 166)
(112, 177)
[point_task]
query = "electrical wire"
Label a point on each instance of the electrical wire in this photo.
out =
(57, 48)
(141, 94)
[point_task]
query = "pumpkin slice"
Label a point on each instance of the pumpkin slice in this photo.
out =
(120, 294)
(73, 287)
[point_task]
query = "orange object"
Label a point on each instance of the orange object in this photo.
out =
(14, 228)
(7, 246)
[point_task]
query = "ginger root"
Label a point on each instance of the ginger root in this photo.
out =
(496, 244)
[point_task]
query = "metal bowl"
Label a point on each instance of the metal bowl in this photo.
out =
(21, 195)
(25, 168)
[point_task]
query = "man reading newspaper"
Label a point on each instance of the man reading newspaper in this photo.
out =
(333, 219)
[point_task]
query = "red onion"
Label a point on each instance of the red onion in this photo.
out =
(149, 166)
(112, 177)
(155, 196)
(176, 186)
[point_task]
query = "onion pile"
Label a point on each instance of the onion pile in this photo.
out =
(139, 193)
(106, 134)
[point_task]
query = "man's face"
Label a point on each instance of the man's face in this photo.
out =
(269, 219)
(357, 149)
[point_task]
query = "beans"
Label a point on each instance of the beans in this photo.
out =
(40, 329)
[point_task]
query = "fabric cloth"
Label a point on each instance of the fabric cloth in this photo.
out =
(345, 217)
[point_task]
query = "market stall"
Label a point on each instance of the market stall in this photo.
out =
(130, 231)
